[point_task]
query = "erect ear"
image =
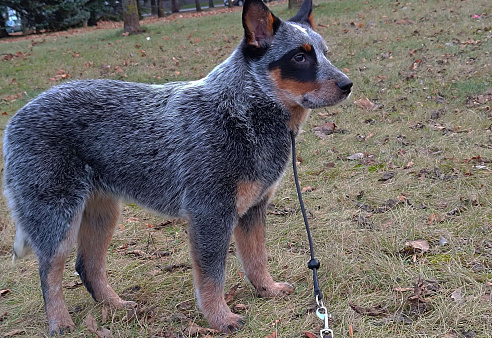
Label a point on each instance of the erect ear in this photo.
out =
(305, 13)
(259, 23)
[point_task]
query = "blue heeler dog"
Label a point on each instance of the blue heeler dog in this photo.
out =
(211, 151)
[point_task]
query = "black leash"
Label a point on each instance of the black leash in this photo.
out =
(313, 264)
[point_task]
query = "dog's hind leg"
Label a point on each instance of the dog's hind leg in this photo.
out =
(99, 219)
(51, 275)
(209, 240)
(250, 243)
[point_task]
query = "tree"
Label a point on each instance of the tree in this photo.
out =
(160, 8)
(295, 4)
(153, 7)
(197, 5)
(3, 31)
(58, 14)
(211, 4)
(130, 17)
(175, 6)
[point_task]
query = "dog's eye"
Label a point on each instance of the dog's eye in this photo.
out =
(300, 57)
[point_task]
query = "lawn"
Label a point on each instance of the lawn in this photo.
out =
(397, 180)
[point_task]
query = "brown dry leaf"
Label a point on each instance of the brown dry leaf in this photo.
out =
(136, 253)
(309, 335)
(240, 308)
(193, 329)
(104, 313)
(308, 189)
(16, 332)
(351, 331)
(273, 335)
(435, 218)
(365, 104)
(399, 289)
(104, 333)
(229, 296)
(409, 165)
(325, 129)
(3, 292)
(417, 246)
(374, 311)
(73, 285)
(3, 316)
(91, 323)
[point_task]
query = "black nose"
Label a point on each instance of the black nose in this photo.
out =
(345, 85)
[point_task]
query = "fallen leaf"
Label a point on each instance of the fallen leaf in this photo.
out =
(193, 329)
(356, 156)
(417, 246)
(457, 295)
(104, 313)
(240, 308)
(325, 129)
(3, 292)
(229, 296)
(73, 285)
(104, 333)
(273, 335)
(3, 316)
(308, 189)
(435, 218)
(365, 104)
(400, 289)
(90, 323)
(387, 176)
(16, 332)
(373, 311)
(309, 335)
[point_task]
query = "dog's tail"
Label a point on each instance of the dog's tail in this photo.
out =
(21, 245)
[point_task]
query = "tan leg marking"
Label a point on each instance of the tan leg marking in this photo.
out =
(250, 242)
(56, 309)
(247, 194)
(96, 230)
(211, 301)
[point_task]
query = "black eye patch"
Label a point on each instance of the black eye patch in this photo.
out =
(299, 64)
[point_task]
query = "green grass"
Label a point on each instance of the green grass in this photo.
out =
(360, 248)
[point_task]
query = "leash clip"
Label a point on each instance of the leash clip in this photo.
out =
(323, 314)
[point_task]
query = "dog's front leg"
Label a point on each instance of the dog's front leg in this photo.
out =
(250, 242)
(209, 241)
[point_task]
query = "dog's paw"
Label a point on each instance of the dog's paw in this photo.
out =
(275, 290)
(231, 323)
(61, 328)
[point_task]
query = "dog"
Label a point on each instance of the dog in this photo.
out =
(211, 151)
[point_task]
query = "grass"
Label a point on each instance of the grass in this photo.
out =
(426, 67)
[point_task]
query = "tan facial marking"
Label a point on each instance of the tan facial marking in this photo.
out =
(307, 47)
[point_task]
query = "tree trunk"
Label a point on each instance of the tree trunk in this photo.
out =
(175, 6)
(198, 6)
(130, 17)
(211, 4)
(295, 4)
(153, 7)
(3, 31)
(160, 8)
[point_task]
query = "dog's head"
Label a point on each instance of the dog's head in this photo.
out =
(291, 56)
